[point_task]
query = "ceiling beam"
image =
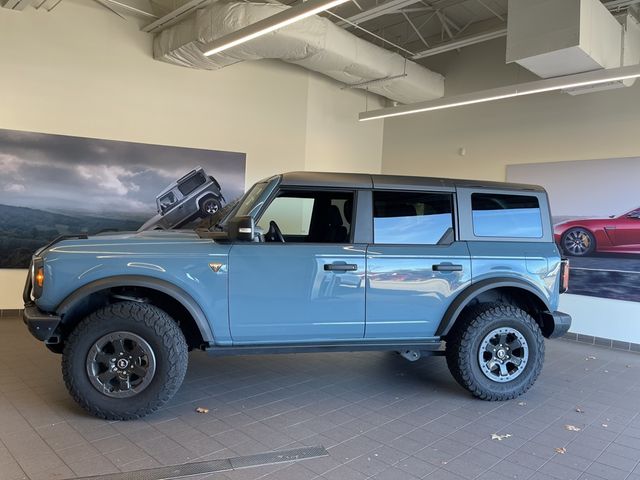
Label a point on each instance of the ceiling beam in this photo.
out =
(173, 16)
(463, 42)
(394, 6)
(391, 6)
(620, 4)
(416, 30)
(17, 4)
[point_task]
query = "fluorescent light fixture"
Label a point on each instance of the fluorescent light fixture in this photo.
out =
(270, 24)
(530, 88)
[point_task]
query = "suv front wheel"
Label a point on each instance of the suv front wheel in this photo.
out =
(124, 361)
(495, 351)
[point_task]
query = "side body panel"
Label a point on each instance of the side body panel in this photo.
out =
(181, 259)
(282, 293)
(537, 264)
(406, 296)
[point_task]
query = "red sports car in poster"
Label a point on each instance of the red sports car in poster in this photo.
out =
(617, 234)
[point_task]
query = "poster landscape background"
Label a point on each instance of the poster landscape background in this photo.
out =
(54, 184)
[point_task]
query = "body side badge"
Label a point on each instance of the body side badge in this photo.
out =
(215, 266)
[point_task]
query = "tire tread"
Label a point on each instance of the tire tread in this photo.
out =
(153, 318)
(460, 340)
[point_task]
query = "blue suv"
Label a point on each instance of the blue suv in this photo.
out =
(308, 262)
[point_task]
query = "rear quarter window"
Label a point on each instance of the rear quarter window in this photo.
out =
(192, 183)
(505, 215)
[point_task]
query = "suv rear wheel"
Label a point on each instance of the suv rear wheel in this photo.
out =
(124, 361)
(496, 351)
(210, 206)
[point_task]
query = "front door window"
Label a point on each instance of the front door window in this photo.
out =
(309, 217)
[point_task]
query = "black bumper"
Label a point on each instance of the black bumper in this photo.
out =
(41, 325)
(556, 324)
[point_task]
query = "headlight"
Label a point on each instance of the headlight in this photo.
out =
(37, 277)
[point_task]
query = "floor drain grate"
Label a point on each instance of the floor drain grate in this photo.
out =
(212, 466)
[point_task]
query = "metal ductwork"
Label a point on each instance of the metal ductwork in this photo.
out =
(314, 43)
(552, 39)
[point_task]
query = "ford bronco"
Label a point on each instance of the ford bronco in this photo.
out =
(308, 262)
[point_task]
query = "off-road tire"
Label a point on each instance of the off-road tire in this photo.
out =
(157, 328)
(463, 344)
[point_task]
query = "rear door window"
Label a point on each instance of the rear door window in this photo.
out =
(503, 215)
(414, 218)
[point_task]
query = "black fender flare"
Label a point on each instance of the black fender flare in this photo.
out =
(471, 292)
(141, 281)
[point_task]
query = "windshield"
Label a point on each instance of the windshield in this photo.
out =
(249, 204)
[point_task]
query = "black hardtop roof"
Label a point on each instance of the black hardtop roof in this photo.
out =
(365, 180)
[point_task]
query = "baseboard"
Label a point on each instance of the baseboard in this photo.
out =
(602, 342)
(11, 313)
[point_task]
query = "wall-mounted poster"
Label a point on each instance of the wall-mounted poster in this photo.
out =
(54, 185)
(595, 206)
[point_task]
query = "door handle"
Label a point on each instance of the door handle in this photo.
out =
(340, 267)
(447, 267)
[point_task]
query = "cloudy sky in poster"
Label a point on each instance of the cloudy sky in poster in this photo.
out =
(102, 177)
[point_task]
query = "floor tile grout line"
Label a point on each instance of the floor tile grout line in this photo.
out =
(575, 438)
(417, 428)
(477, 443)
(397, 418)
(14, 458)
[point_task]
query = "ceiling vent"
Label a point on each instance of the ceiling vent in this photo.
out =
(554, 38)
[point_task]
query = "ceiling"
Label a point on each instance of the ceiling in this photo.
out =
(414, 28)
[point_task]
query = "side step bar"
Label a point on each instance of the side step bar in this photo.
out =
(427, 347)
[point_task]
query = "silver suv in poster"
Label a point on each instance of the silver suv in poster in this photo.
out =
(195, 195)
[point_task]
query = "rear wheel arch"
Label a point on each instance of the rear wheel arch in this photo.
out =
(508, 291)
(164, 295)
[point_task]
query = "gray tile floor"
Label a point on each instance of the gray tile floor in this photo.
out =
(379, 417)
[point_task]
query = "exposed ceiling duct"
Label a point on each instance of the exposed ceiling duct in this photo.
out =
(314, 43)
(552, 39)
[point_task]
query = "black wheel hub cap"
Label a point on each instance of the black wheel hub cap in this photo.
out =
(121, 364)
(503, 354)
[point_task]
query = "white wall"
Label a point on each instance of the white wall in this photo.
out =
(612, 184)
(335, 142)
(541, 128)
(593, 316)
(80, 70)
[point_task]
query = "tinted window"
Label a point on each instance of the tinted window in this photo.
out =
(496, 215)
(412, 218)
(311, 216)
(190, 184)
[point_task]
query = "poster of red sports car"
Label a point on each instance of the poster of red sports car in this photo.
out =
(595, 206)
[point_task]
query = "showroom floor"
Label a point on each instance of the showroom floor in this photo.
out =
(377, 415)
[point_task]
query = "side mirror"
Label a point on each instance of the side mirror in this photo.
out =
(242, 229)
